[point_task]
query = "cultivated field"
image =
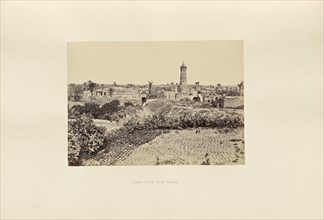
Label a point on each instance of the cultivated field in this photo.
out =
(190, 148)
(186, 147)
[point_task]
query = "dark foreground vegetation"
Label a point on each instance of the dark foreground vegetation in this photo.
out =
(86, 139)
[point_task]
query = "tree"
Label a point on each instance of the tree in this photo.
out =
(92, 109)
(241, 88)
(84, 137)
(130, 85)
(75, 92)
(91, 86)
(241, 85)
(111, 92)
(70, 91)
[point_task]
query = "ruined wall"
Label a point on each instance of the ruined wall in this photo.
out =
(233, 101)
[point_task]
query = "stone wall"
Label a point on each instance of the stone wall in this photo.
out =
(233, 101)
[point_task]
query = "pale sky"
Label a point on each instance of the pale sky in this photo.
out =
(208, 62)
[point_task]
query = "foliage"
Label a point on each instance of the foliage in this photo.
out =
(241, 85)
(91, 86)
(75, 111)
(129, 104)
(89, 108)
(185, 121)
(130, 85)
(84, 137)
(92, 109)
(73, 150)
(120, 143)
(109, 111)
(75, 92)
(220, 90)
(111, 91)
(228, 92)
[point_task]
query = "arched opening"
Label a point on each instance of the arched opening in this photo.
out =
(196, 99)
(143, 100)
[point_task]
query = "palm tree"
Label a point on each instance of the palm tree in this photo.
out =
(241, 85)
(241, 88)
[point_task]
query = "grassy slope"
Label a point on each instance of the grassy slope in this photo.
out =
(174, 110)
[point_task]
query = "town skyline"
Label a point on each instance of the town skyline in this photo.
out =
(208, 62)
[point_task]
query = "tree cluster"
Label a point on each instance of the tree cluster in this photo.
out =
(112, 111)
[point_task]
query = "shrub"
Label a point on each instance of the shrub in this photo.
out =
(75, 111)
(92, 108)
(84, 138)
(73, 151)
(185, 121)
(75, 92)
(129, 104)
(88, 108)
(109, 111)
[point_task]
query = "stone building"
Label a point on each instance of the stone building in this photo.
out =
(183, 85)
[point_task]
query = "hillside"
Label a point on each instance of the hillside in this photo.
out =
(175, 109)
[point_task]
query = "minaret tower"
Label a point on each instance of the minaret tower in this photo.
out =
(183, 85)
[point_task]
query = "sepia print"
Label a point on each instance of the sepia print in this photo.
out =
(155, 103)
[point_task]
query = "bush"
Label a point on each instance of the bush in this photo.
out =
(185, 121)
(109, 111)
(75, 92)
(92, 109)
(84, 138)
(75, 111)
(89, 108)
(73, 151)
(126, 104)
